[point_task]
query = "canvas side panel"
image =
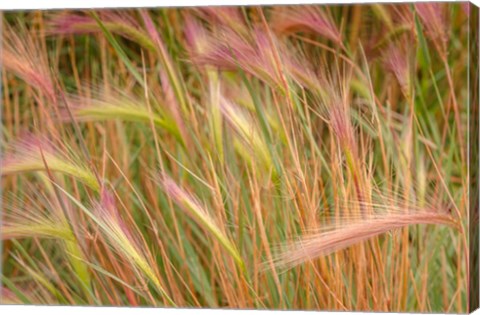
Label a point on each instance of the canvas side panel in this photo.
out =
(474, 161)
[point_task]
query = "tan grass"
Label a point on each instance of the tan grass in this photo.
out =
(317, 245)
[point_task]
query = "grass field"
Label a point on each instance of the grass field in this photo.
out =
(306, 157)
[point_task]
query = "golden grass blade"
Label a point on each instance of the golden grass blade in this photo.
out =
(193, 208)
(25, 155)
(122, 108)
(321, 244)
(116, 232)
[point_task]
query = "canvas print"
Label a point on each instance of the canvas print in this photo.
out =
(301, 157)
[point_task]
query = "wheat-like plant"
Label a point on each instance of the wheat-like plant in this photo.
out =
(284, 157)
